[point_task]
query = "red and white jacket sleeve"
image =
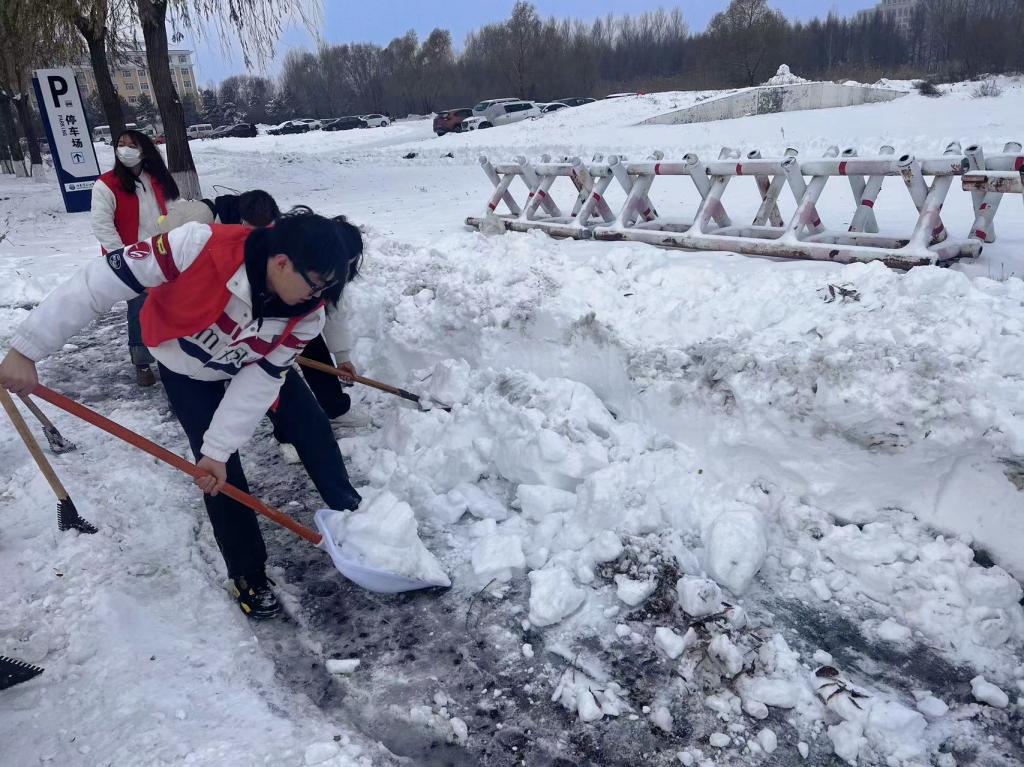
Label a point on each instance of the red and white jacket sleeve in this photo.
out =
(253, 391)
(122, 274)
(102, 215)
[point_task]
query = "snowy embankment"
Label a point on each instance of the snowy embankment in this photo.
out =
(690, 458)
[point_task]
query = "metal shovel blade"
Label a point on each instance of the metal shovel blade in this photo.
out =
(370, 578)
(56, 441)
(13, 671)
(68, 518)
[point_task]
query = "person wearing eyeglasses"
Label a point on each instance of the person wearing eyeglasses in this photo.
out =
(228, 310)
(257, 208)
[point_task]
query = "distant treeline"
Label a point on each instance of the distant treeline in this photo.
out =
(545, 59)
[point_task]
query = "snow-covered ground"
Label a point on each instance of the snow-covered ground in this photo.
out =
(692, 513)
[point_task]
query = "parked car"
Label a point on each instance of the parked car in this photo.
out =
(554, 106)
(508, 112)
(289, 126)
(201, 130)
(376, 121)
(483, 106)
(238, 130)
(450, 120)
(344, 123)
(313, 124)
(576, 101)
(473, 123)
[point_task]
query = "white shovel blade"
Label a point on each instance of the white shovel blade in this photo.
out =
(370, 578)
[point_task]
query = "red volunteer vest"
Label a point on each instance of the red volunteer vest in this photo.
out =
(193, 300)
(126, 207)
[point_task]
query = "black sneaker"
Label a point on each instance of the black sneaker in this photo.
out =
(255, 597)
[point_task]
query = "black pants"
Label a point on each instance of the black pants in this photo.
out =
(139, 353)
(326, 387)
(299, 417)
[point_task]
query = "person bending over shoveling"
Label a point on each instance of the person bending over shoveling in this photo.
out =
(228, 310)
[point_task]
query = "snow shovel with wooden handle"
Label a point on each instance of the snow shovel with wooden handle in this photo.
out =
(408, 395)
(67, 515)
(54, 438)
(368, 577)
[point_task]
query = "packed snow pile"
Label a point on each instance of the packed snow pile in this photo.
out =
(382, 534)
(784, 77)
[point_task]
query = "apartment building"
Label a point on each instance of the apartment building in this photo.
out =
(898, 11)
(130, 74)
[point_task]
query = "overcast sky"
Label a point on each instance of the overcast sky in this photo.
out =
(346, 21)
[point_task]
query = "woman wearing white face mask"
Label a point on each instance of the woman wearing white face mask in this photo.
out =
(127, 203)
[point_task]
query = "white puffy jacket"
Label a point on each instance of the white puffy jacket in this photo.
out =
(253, 356)
(104, 203)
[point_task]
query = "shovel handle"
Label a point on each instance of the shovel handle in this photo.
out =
(39, 414)
(33, 447)
(324, 368)
(136, 440)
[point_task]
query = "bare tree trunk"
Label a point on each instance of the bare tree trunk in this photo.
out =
(153, 17)
(13, 144)
(5, 153)
(25, 118)
(96, 38)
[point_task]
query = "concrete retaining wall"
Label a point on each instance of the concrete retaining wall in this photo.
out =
(767, 99)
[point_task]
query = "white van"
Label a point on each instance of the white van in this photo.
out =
(101, 133)
(509, 112)
(202, 130)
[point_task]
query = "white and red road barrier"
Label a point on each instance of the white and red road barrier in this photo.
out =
(707, 225)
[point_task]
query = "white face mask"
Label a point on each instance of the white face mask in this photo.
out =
(129, 155)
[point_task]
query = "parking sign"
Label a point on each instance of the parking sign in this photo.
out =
(60, 104)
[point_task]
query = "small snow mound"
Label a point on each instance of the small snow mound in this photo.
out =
(784, 77)
(633, 592)
(736, 547)
(932, 707)
(498, 557)
(767, 740)
(698, 596)
(986, 692)
(669, 642)
(342, 665)
(553, 596)
(891, 631)
(318, 753)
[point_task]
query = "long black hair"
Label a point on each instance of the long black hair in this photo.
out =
(152, 163)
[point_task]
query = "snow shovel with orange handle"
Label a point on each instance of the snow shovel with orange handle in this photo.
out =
(368, 577)
(408, 395)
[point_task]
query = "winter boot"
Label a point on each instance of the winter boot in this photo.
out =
(144, 375)
(255, 597)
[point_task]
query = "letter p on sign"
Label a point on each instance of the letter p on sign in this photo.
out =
(58, 87)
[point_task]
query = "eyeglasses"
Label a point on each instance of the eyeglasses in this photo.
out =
(315, 289)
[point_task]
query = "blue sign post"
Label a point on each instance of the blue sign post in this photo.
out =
(74, 159)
